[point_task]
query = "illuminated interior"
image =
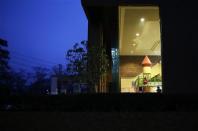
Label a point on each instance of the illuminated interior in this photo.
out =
(140, 49)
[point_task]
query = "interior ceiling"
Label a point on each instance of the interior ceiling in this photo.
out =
(148, 42)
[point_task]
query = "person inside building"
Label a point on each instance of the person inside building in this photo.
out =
(158, 89)
(141, 90)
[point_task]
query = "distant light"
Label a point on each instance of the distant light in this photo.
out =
(132, 52)
(142, 19)
(137, 34)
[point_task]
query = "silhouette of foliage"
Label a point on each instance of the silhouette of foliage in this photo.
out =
(41, 83)
(77, 62)
(98, 65)
(5, 87)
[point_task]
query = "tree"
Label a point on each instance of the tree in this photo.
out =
(98, 65)
(88, 65)
(77, 62)
(57, 70)
(4, 68)
(18, 82)
(41, 81)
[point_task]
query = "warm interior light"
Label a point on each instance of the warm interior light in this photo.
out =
(137, 34)
(142, 19)
(134, 44)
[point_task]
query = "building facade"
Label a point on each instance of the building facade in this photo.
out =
(132, 30)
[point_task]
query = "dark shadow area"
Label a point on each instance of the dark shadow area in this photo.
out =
(97, 121)
(101, 103)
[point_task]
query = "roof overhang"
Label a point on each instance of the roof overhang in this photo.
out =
(92, 7)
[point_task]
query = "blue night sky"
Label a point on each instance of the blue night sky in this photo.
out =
(39, 32)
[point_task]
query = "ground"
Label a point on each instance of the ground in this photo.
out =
(99, 121)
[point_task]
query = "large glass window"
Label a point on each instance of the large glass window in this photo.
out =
(140, 49)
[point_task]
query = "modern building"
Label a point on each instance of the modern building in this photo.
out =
(150, 44)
